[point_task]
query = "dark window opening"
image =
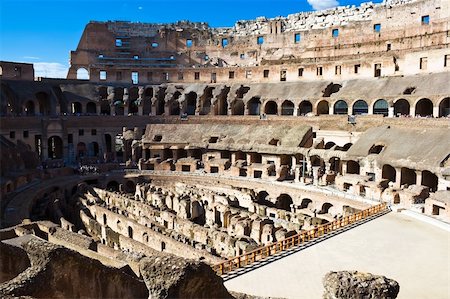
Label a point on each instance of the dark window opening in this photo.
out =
(197, 76)
(231, 75)
(12, 134)
(266, 73)
(357, 67)
(213, 139)
(300, 72)
(80, 132)
(157, 138)
(93, 132)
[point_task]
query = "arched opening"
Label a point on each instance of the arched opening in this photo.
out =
(335, 164)
(55, 147)
(424, 108)
(352, 167)
(93, 149)
(388, 173)
(316, 160)
(323, 108)
(81, 149)
(262, 197)
(133, 100)
(408, 176)
(329, 144)
(44, 103)
(254, 106)
(221, 106)
(191, 103)
(161, 102)
(29, 108)
(306, 203)
(112, 186)
(345, 148)
(82, 74)
(103, 92)
(237, 107)
(118, 101)
(360, 107)
(271, 108)
(284, 202)
(340, 107)
(444, 108)
(401, 108)
(287, 108)
(130, 232)
(175, 108)
(104, 219)
(130, 187)
(430, 180)
(381, 107)
(304, 108)
(76, 108)
(325, 208)
(91, 108)
(105, 108)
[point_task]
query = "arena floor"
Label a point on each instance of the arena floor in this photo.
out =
(414, 253)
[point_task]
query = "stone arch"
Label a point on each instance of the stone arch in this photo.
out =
(424, 107)
(30, 109)
(329, 144)
(381, 107)
(118, 101)
(112, 186)
(133, 94)
(91, 108)
(261, 197)
(284, 202)
(103, 92)
(325, 209)
(304, 107)
(401, 107)
(444, 108)
(353, 167)
(429, 179)
(335, 164)
(82, 74)
(408, 176)
(191, 103)
(254, 106)
(323, 107)
(360, 107)
(306, 203)
(340, 107)
(388, 172)
(55, 147)
(271, 108)
(237, 107)
(287, 108)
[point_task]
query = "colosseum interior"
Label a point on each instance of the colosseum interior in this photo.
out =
(192, 162)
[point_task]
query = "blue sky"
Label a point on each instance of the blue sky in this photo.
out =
(43, 32)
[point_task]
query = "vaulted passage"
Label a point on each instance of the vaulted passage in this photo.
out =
(304, 108)
(424, 107)
(237, 107)
(254, 106)
(287, 108)
(271, 108)
(430, 179)
(340, 107)
(389, 173)
(191, 103)
(444, 107)
(360, 107)
(408, 176)
(381, 107)
(284, 202)
(401, 107)
(323, 107)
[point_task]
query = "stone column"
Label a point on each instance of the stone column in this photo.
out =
(398, 177)
(331, 109)
(370, 109)
(435, 111)
(233, 158)
(315, 175)
(391, 111)
(418, 177)
(344, 167)
(295, 111)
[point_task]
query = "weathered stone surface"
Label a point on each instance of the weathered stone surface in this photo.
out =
(354, 284)
(173, 277)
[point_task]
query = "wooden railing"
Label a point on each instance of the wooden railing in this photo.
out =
(274, 248)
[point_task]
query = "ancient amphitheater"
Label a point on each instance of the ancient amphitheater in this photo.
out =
(199, 162)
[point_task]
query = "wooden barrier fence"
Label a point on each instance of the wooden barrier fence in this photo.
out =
(274, 248)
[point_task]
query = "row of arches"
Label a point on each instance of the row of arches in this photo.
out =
(284, 202)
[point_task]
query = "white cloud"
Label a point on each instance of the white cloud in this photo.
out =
(50, 70)
(323, 4)
(31, 57)
(140, 7)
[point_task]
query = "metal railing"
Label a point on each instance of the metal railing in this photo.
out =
(274, 248)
